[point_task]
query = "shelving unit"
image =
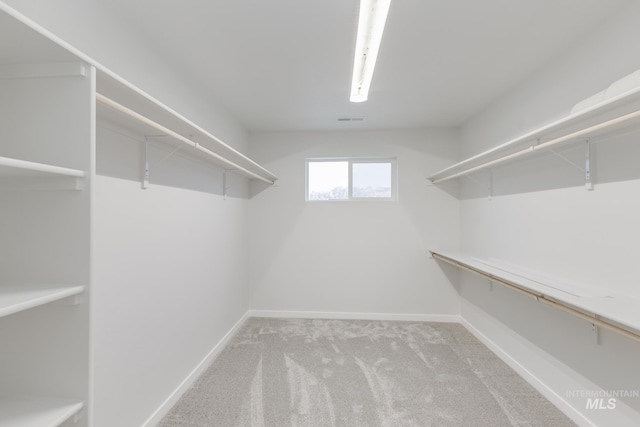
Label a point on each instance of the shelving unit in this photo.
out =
(589, 124)
(46, 143)
(620, 314)
(30, 412)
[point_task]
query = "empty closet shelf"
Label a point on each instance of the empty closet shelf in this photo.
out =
(19, 297)
(220, 153)
(599, 119)
(617, 312)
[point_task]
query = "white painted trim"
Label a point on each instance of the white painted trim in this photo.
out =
(173, 398)
(444, 318)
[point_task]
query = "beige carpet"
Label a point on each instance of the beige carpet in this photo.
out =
(293, 372)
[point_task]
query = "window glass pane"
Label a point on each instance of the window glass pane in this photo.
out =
(328, 180)
(371, 179)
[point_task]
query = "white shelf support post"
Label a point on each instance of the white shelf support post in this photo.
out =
(78, 184)
(224, 185)
(595, 330)
(490, 189)
(145, 178)
(587, 167)
(72, 300)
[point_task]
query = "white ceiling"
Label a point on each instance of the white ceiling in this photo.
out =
(286, 64)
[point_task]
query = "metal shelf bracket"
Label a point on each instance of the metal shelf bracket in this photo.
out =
(145, 177)
(490, 185)
(224, 185)
(595, 330)
(587, 167)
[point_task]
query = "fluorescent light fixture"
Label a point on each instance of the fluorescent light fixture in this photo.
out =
(373, 15)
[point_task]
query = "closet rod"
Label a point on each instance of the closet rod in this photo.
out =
(121, 108)
(573, 135)
(539, 297)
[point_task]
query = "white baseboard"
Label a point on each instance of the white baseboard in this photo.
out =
(166, 406)
(444, 318)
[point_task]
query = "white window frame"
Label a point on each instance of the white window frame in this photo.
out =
(351, 161)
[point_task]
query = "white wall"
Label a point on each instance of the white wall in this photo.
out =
(353, 257)
(542, 217)
(170, 274)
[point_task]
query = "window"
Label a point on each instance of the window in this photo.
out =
(327, 180)
(351, 179)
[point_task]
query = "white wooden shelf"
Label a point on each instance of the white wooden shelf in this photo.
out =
(598, 306)
(593, 122)
(19, 297)
(128, 107)
(36, 412)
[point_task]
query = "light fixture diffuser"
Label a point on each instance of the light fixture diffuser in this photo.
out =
(373, 16)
